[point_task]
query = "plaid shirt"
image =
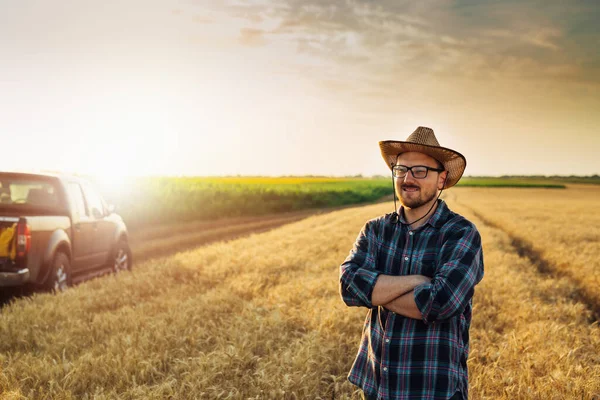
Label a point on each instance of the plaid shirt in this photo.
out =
(401, 357)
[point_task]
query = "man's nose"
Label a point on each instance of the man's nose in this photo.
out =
(408, 178)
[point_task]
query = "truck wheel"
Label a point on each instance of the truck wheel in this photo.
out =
(60, 273)
(122, 260)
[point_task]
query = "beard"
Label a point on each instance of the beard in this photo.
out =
(416, 198)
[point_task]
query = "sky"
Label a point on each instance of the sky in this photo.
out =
(199, 87)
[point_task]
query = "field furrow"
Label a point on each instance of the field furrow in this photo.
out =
(530, 338)
(558, 229)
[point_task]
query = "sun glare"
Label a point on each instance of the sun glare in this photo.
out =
(112, 183)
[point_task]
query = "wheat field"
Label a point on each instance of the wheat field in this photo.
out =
(260, 317)
(561, 228)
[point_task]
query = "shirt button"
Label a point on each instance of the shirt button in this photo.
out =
(385, 369)
(405, 258)
(410, 233)
(387, 340)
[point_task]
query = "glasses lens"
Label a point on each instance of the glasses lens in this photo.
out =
(400, 171)
(419, 172)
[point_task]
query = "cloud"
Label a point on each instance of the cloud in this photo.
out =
(542, 37)
(200, 19)
(252, 37)
(367, 47)
(545, 38)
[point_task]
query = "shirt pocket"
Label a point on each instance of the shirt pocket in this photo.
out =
(426, 266)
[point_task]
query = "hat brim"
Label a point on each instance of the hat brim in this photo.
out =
(454, 162)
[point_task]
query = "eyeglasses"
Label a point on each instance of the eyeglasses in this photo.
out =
(417, 171)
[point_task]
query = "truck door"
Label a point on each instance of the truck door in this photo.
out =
(83, 230)
(104, 228)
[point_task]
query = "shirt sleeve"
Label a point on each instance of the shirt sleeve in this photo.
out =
(358, 272)
(453, 285)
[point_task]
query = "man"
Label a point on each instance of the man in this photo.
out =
(415, 270)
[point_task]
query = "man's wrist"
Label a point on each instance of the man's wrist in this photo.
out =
(419, 280)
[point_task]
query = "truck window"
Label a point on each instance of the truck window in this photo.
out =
(77, 201)
(93, 200)
(28, 192)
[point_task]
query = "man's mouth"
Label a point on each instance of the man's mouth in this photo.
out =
(410, 188)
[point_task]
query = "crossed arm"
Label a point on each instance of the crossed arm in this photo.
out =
(363, 286)
(396, 293)
(441, 297)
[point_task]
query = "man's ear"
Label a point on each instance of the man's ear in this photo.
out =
(442, 180)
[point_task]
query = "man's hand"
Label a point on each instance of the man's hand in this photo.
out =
(405, 305)
(388, 287)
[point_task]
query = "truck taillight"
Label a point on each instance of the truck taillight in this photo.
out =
(23, 239)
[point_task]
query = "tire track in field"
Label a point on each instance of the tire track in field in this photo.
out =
(176, 241)
(168, 239)
(545, 267)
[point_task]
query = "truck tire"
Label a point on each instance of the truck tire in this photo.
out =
(121, 260)
(59, 278)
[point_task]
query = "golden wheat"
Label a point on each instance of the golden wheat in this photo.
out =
(530, 340)
(562, 226)
(261, 318)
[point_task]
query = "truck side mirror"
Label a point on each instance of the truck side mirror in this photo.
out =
(97, 213)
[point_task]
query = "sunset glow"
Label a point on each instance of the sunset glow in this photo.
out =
(296, 88)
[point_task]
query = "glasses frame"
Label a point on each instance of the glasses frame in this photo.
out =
(410, 169)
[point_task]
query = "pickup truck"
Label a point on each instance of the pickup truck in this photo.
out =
(56, 230)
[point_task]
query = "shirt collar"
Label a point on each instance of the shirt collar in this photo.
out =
(436, 220)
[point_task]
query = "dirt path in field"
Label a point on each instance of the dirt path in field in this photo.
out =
(167, 239)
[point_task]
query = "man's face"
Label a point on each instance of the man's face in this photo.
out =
(412, 192)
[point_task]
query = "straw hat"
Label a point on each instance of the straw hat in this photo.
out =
(423, 140)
